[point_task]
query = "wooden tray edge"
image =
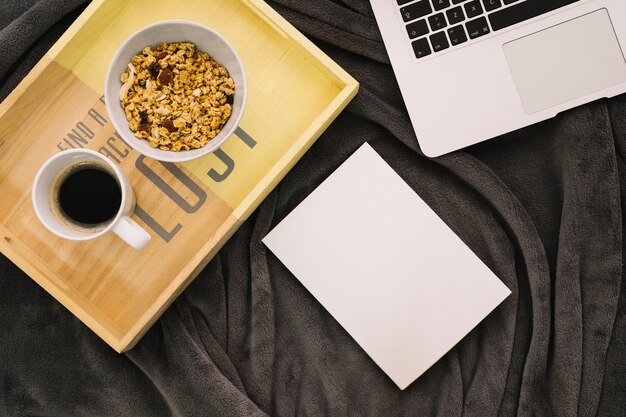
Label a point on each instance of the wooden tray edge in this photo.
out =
(30, 264)
(48, 57)
(274, 19)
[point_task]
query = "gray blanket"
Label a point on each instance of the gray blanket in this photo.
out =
(542, 207)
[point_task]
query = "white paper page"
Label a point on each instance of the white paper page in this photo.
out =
(387, 268)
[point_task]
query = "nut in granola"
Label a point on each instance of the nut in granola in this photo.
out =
(176, 97)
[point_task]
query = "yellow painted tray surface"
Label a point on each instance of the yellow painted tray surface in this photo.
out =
(190, 209)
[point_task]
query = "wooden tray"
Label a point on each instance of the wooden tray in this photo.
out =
(190, 209)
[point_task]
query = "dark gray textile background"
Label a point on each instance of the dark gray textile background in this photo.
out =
(543, 207)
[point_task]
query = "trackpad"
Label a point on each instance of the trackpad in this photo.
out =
(566, 61)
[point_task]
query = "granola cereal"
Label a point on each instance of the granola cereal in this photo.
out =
(176, 97)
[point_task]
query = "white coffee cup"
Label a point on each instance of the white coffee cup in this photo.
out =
(44, 196)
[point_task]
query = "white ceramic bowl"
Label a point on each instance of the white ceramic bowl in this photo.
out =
(206, 40)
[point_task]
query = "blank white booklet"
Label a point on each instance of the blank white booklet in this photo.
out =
(386, 267)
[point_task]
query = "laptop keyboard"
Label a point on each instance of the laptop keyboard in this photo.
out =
(436, 25)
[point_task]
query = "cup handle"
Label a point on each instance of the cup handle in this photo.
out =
(131, 232)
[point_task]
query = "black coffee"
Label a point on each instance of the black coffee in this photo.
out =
(89, 195)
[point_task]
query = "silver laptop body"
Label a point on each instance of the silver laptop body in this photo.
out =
(471, 70)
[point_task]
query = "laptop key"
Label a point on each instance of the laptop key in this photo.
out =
(416, 10)
(509, 1)
(457, 1)
(477, 28)
(473, 8)
(421, 48)
(492, 4)
(457, 35)
(401, 2)
(441, 4)
(437, 21)
(439, 41)
(455, 15)
(417, 29)
(510, 16)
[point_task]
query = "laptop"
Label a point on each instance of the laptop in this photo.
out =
(471, 70)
